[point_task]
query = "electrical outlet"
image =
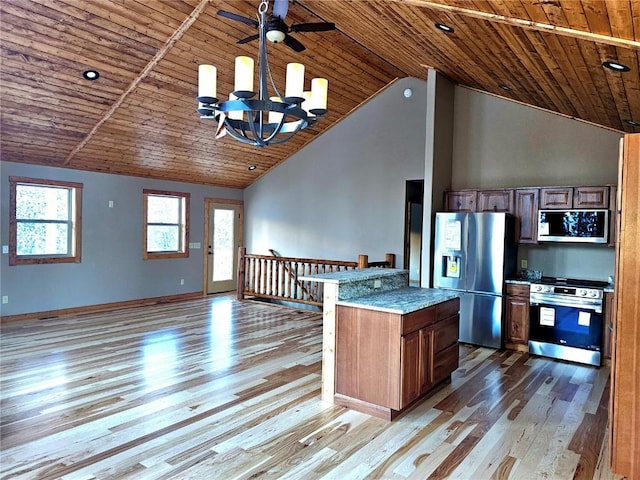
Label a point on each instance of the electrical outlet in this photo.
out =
(182, 281)
(110, 203)
(5, 249)
(523, 263)
(5, 299)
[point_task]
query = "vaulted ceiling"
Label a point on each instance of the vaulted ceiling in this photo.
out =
(139, 117)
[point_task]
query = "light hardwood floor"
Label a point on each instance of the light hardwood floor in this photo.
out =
(221, 389)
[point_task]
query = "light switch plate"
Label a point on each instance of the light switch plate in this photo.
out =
(5, 248)
(523, 263)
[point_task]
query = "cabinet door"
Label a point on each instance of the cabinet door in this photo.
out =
(556, 197)
(425, 360)
(526, 211)
(495, 201)
(591, 197)
(461, 201)
(410, 365)
(518, 320)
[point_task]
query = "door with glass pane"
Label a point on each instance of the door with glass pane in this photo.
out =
(223, 239)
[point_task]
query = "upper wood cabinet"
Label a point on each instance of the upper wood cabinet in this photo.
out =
(495, 201)
(524, 204)
(526, 212)
(460, 201)
(556, 197)
(574, 197)
(591, 197)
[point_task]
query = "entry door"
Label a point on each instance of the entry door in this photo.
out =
(224, 238)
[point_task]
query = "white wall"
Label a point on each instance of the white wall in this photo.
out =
(500, 143)
(112, 268)
(344, 193)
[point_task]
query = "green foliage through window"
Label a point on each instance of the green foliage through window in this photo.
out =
(166, 216)
(45, 221)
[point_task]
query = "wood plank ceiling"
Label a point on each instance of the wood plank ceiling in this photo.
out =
(139, 117)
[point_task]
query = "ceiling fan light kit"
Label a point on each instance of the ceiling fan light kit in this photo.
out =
(264, 120)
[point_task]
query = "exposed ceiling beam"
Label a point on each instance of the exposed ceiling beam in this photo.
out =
(528, 24)
(193, 16)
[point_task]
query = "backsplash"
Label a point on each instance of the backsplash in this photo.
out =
(589, 262)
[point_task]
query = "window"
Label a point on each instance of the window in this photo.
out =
(166, 224)
(45, 219)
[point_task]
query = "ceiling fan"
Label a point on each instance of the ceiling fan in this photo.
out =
(277, 29)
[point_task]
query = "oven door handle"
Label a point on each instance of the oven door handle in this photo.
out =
(583, 303)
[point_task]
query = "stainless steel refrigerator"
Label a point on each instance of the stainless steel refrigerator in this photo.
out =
(473, 254)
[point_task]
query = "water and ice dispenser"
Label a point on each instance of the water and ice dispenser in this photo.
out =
(451, 266)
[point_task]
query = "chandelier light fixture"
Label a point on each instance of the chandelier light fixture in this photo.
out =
(257, 118)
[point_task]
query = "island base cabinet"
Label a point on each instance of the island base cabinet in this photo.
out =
(386, 362)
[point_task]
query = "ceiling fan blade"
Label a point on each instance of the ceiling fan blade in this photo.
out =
(280, 8)
(313, 27)
(249, 39)
(293, 43)
(238, 18)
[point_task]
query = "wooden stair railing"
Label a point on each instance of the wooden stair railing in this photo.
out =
(277, 278)
(294, 277)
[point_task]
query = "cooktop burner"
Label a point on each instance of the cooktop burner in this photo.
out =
(572, 282)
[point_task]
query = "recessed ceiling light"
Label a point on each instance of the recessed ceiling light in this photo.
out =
(251, 167)
(91, 74)
(444, 28)
(615, 66)
(506, 88)
(633, 123)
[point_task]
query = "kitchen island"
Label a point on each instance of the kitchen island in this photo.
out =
(395, 347)
(385, 345)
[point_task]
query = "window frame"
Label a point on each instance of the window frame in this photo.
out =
(184, 224)
(75, 232)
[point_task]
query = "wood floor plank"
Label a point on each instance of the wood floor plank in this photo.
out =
(219, 389)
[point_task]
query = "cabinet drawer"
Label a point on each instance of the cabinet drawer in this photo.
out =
(445, 362)
(591, 197)
(556, 197)
(495, 201)
(419, 319)
(447, 309)
(517, 290)
(446, 333)
(462, 201)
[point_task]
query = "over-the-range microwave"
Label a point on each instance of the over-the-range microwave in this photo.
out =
(576, 225)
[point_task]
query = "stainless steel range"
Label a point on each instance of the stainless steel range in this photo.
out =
(566, 319)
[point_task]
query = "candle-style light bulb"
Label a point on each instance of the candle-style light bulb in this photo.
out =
(244, 74)
(207, 81)
(295, 80)
(319, 87)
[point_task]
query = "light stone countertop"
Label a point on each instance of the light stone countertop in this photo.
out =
(357, 275)
(401, 300)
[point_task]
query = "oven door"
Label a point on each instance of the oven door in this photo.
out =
(578, 326)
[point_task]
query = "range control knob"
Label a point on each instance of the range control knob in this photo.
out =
(593, 294)
(582, 292)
